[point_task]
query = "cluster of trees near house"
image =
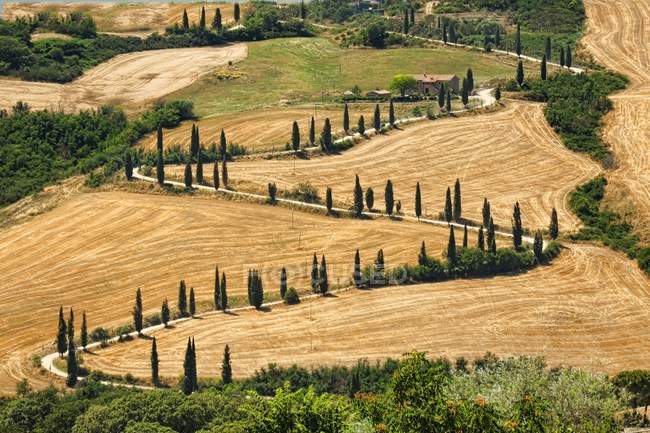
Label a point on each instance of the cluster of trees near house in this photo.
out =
(61, 60)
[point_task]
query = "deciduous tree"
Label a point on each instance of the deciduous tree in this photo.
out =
(402, 83)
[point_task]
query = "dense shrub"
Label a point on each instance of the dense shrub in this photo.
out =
(291, 297)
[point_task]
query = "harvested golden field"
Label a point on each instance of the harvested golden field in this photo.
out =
(507, 156)
(133, 79)
(93, 250)
(618, 35)
(270, 129)
(139, 18)
(589, 309)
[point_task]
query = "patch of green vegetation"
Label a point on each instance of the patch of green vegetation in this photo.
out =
(317, 70)
(575, 107)
(604, 225)
(41, 147)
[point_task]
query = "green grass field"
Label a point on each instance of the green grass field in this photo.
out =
(299, 70)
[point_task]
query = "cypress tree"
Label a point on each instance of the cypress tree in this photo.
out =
(356, 273)
(236, 12)
(295, 136)
(346, 118)
(405, 28)
(84, 331)
(547, 48)
(441, 96)
(223, 146)
(480, 242)
(470, 80)
(465, 236)
(328, 200)
(486, 212)
(73, 367)
(380, 265)
(517, 229)
(256, 290)
(518, 40)
(569, 57)
(465, 93)
(520, 73)
(418, 201)
(273, 190)
(187, 385)
(391, 113)
(224, 172)
(215, 175)
(377, 120)
(61, 336)
(182, 299)
(553, 228)
(491, 237)
(358, 197)
(314, 275)
(448, 208)
(322, 276)
(388, 197)
(422, 257)
(164, 313)
(223, 297)
(452, 33)
(188, 174)
(412, 16)
(128, 166)
(326, 136)
(137, 312)
(226, 368)
(457, 201)
(355, 383)
(497, 93)
(303, 10)
(154, 363)
(312, 132)
(192, 302)
(542, 71)
(451, 247)
(283, 283)
(444, 34)
(497, 37)
(195, 376)
(217, 289)
(370, 198)
(199, 166)
(250, 287)
(186, 21)
(160, 164)
(398, 206)
(202, 19)
(448, 102)
(538, 246)
(562, 56)
(216, 22)
(361, 125)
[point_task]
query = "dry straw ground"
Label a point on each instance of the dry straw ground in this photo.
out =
(618, 35)
(130, 79)
(507, 156)
(93, 250)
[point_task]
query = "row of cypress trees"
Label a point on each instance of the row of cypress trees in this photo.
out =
(65, 342)
(217, 23)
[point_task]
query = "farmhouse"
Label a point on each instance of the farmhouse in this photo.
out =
(428, 84)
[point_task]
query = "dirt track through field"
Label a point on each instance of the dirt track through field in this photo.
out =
(507, 156)
(129, 79)
(588, 309)
(618, 35)
(94, 250)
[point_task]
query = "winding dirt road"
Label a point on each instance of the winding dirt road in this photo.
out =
(618, 36)
(129, 79)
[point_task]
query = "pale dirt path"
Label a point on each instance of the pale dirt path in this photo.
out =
(134, 78)
(507, 156)
(589, 309)
(618, 35)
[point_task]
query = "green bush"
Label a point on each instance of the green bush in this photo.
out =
(291, 297)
